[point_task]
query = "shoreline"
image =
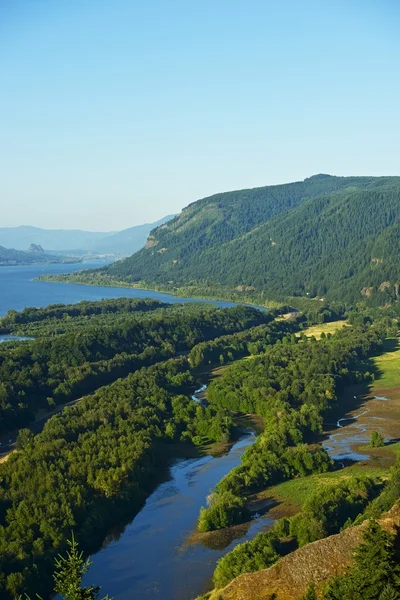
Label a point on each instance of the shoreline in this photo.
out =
(177, 293)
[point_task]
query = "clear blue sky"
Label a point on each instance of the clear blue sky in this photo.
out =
(117, 112)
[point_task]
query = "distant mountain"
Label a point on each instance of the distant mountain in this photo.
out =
(20, 238)
(124, 242)
(127, 241)
(333, 237)
(34, 255)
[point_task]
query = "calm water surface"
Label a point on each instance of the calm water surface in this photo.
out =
(153, 559)
(13, 338)
(18, 290)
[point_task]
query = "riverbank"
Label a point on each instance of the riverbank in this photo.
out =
(375, 408)
(194, 292)
(150, 557)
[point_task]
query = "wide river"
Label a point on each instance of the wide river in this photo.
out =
(18, 290)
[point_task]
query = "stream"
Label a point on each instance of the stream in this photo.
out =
(154, 557)
(354, 430)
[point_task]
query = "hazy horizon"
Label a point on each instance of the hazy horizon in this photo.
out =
(117, 114)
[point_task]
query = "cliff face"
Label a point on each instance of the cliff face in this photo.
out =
(288, 578)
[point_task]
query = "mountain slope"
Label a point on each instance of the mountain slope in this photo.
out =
(128, 240)
(319, 561)
(124, 242)
(329, 236)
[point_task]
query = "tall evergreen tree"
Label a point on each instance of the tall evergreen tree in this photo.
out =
(69, 573)
(375, 570)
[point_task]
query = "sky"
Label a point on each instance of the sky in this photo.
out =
(118, 112)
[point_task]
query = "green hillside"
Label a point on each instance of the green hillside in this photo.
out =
(335, 237)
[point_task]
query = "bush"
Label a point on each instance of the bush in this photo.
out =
(377, 440)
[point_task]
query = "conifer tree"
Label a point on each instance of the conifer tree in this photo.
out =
(69, 573)
(389, 593)
(375, 570)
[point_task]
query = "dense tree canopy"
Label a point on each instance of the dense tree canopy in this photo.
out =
(58, 368)
(333, 237)
(291, 385)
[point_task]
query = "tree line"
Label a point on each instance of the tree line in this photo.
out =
(91, 465)
(53, 370)
(292, 385)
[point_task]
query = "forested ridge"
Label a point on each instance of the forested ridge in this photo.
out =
(333, 237)
(55, 369)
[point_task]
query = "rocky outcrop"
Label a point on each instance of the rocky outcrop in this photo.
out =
(35, 249)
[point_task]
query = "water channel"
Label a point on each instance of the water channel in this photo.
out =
(156, 557)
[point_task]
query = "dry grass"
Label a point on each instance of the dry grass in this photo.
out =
(316, 330)
(289, 577)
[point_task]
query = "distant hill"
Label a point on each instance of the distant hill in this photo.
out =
(20, 238)
(35, 249)
(127, 241)
(333, 237)
(34, 255)
(124, 242)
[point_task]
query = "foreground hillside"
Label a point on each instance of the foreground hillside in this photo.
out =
(317, 562)
(335, 237)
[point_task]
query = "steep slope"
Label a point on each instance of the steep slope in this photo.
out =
(319, 561)
(329, 236)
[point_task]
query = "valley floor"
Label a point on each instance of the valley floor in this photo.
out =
(375, 408)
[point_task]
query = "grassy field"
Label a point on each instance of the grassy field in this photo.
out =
(388, 365)
(290, 495)
(316, 330)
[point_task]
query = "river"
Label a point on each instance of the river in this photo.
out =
(18, 288)
(14, 338)
(153, 557)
